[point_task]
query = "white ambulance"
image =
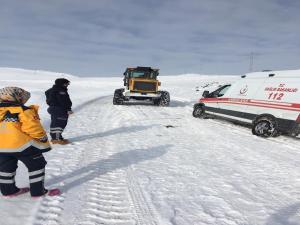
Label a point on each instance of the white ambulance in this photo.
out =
(269, 101)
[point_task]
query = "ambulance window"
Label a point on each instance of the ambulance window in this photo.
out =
(223, 91)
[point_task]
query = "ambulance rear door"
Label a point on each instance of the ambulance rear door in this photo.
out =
(279, 96)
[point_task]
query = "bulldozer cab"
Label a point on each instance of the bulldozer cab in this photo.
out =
(140, 73)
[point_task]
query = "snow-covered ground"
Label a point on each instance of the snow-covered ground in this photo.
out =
(147, 165)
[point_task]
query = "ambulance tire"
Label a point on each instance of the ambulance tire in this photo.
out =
(198, 111)
(265, 127)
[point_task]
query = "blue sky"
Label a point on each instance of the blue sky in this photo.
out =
(103, 37)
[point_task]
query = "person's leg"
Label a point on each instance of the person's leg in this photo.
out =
(8, 167)
(36, 168)
(59, 120)
(62, 121)
(55, 128)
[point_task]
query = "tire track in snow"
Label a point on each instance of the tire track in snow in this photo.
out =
(107, 201)
(146, 215)
(49, 211)
(113, 202)
(145, 212)
(125, 204)
(107, 198)
(51, 208)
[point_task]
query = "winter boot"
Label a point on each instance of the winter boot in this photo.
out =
(51, 192)
(60, 141)
(21, 191)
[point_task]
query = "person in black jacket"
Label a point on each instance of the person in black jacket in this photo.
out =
(60, 107)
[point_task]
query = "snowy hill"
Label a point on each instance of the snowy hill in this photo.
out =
(22, 74)
(140, 164)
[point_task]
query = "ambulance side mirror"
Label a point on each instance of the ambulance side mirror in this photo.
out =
(205, 94)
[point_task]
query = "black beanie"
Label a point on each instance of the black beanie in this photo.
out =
(61, 81)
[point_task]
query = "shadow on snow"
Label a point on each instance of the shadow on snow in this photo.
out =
(284, 216)
(118, 130)
(103, 166)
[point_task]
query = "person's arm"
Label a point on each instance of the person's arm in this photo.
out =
(64, 100)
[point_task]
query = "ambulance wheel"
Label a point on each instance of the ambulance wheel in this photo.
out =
(118, 97)
(265, 127)
(198, 111)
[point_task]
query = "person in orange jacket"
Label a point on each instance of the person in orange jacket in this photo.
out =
(23, 138)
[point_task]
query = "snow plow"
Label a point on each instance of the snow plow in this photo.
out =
(140, 83)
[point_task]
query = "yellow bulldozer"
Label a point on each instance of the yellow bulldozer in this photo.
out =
(140, 83)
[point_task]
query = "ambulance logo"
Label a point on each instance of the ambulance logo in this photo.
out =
(244, 90)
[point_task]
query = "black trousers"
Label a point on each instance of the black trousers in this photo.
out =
(36, 169)
(59, 120)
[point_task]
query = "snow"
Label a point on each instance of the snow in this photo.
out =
(147, 165)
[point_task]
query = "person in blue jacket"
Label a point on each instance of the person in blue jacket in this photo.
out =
(60, 107)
